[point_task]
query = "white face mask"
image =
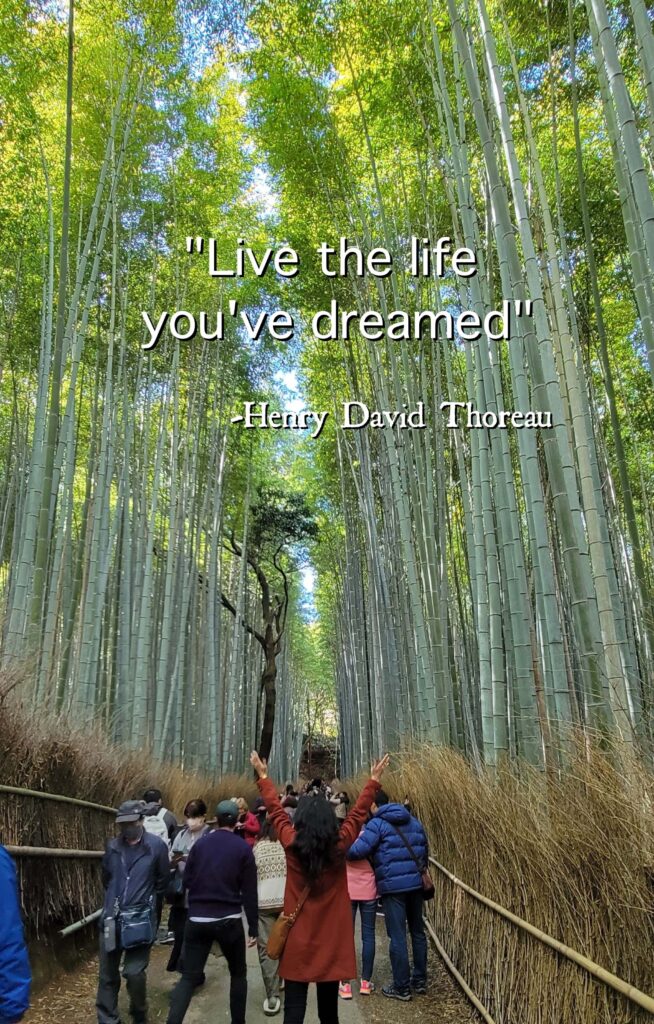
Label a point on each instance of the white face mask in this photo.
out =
(194, 824)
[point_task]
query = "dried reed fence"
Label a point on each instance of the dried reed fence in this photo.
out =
(48, 754)
(572, 855)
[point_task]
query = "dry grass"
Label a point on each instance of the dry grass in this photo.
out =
(572, 855)
(49, 754)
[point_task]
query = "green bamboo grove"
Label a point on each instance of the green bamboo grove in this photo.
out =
(488, 589)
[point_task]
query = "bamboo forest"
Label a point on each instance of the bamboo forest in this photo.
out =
(263, 482)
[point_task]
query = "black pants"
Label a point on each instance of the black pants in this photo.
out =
(198, 939)
(176, 924)
(134, 968)
(295, 1001)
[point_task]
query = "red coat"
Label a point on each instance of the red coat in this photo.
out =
(320, 945)
(248, 829)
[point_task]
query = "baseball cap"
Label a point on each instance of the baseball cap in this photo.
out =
(227, 809)
(130, 810)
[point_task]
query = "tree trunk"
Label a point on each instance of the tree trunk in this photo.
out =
(268, 677)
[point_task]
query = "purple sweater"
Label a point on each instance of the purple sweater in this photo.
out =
(221, 877)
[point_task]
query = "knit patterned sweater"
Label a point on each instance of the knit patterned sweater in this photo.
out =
(271, 875)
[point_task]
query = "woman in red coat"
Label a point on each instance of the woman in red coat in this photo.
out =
(247, 826)
(320, 945)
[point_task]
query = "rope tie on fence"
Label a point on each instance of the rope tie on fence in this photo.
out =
(630, 991)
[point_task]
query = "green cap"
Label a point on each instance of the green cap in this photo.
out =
(227, 809)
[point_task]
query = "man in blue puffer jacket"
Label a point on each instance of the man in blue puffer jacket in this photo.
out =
(399, 883)
(15, 975)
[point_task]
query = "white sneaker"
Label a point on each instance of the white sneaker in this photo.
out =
(272, 1006)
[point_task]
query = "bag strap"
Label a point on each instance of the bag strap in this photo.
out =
(305, 892)
(420, 867)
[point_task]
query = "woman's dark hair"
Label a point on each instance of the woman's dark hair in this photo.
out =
(316, 839)
(195, 809)
(268, 831)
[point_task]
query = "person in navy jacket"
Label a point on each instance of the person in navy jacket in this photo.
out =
(399, 884)
(135, 872)
(15, 974)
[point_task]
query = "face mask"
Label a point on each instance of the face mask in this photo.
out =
(194, 823)
(132, 832)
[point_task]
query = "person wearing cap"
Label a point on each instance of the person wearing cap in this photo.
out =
(135, 871)
(221, 881)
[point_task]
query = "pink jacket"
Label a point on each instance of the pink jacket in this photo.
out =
(361, 884)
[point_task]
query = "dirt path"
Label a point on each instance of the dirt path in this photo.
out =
(71, 999)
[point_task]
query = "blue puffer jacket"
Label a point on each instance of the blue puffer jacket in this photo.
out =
(395, 868)
(15, 974)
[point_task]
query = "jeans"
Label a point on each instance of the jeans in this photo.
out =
(402, 909)
(134, 968)
(368, 912)
(295, 1001)
(268, 966)
(198, 939)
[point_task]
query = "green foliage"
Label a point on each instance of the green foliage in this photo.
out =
(280, 519)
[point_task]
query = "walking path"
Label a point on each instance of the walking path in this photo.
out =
(71, 999)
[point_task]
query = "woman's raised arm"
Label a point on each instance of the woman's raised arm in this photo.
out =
(268, 790)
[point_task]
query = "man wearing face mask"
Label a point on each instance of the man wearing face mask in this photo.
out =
(195, 826)
(135, 871)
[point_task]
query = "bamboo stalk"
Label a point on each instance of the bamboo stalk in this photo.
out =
(80, 924)
(46, 851)
(479, 1006)
(19, 791)
(630, 991)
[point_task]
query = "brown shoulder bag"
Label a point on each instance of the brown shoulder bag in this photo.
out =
(282, 926)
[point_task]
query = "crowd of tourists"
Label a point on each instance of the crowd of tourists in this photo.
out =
(288, 875)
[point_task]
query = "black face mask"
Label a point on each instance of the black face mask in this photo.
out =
(132, 832)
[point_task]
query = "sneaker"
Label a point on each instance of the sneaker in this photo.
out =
(420, 989)
(366, 988)
(166, 939)
(272, 1006)
(345, 990)
(394, 993)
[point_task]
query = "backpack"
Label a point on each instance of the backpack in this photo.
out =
(156, 826)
